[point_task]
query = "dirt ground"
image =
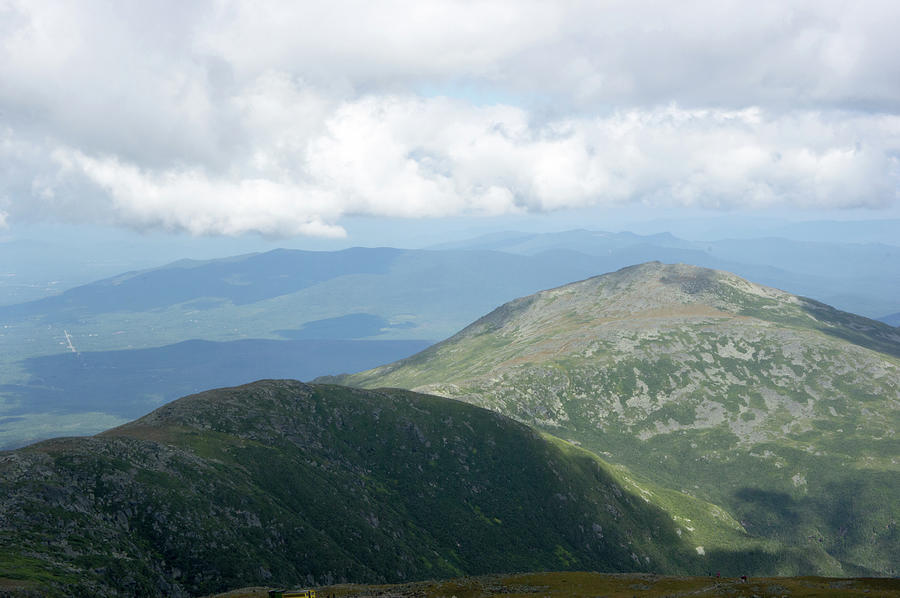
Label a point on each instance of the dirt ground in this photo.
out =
(599, 585)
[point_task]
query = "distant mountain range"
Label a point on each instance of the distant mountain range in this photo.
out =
(126, 330)
(861, 278)
(780, 409)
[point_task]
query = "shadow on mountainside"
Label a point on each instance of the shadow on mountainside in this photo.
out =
(858, 330)
(852, 519)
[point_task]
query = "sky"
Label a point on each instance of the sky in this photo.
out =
(326, 121)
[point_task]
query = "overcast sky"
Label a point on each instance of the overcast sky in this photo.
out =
(286, 118)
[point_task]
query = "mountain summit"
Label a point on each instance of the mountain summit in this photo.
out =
(779, 408)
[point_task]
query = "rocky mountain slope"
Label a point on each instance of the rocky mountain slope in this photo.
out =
(281, 483)
(782, 410)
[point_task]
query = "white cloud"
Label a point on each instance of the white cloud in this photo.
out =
(728, 53)
(412, 157)
(228, 117)
(190, 200)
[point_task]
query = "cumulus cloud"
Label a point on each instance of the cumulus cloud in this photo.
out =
(190, 200)
(229, 117)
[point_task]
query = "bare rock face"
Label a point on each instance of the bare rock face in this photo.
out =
(778, 408)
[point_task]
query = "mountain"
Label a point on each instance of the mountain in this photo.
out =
(591, 242)
(891, 320)
(780, 409)
(283, 289)
(882, 230)
(283, 483)
(858, 277)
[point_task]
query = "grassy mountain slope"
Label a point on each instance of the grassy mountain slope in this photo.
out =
(782, 410)
(282, 483)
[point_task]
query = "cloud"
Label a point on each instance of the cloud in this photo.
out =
(587, 55)
(189, 200)
(414, 157)
(229, 117)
